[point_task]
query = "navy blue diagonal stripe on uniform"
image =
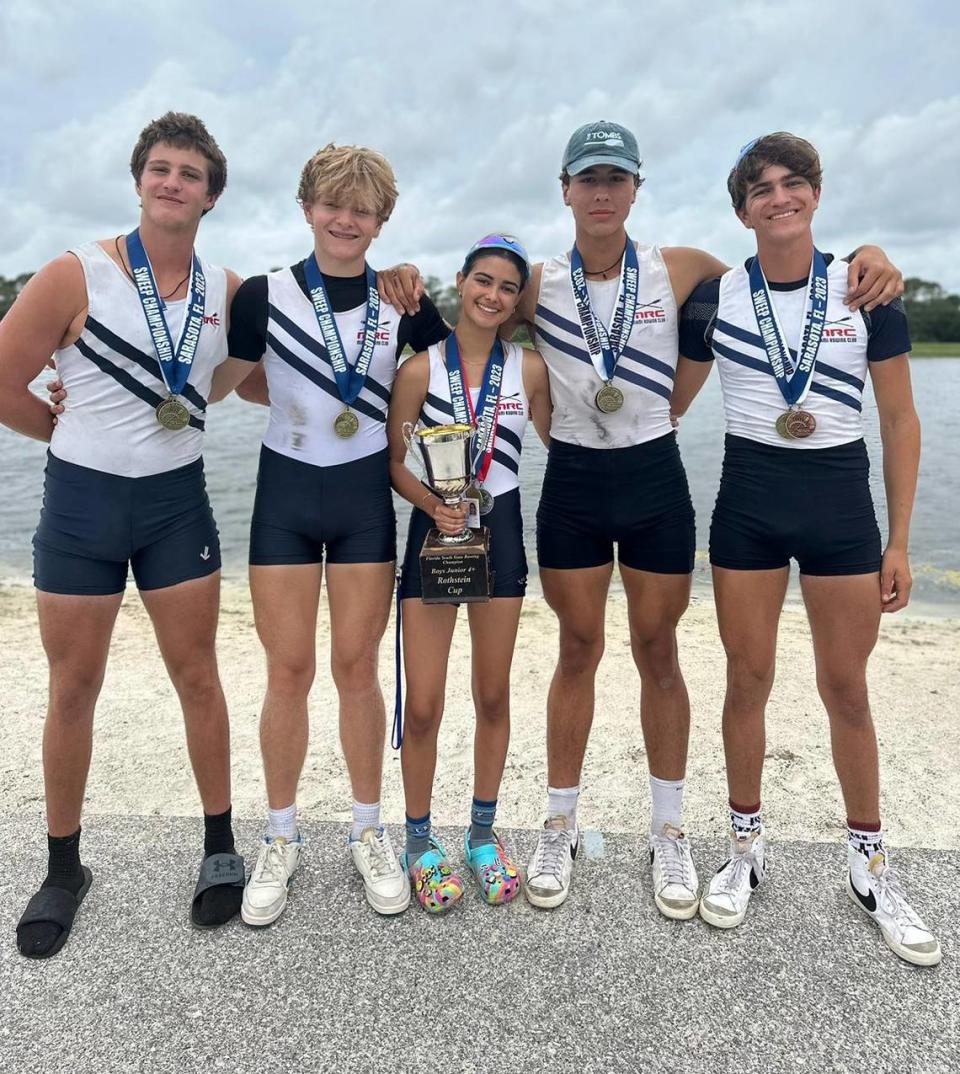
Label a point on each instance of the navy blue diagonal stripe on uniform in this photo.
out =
(745, 337)
(838, 397)
(127, 380)
(740, 358)
(560, 322)
(649, 361)
(505, 460)
(147, 362)
(315, 347)
(839, 374)
(508, 436)
(439, 404)
(567, 348)
(322, 382)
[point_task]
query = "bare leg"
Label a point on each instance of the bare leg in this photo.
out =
(844, 615)
(185, 621)
(75, 631)
(579, 598)
(748, 612)
(655, 603)
(359, 595)
(427, 633)
(285, 602)
(493, 633)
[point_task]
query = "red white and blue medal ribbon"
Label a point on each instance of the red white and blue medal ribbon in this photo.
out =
(484, 417)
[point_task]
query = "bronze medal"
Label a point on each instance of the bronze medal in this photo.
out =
(782, 425)
(609, 399)
(800, 424)
(172, 414)
(346, 424)
(486, 501)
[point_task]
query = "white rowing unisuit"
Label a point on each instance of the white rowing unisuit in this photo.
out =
(644, 373)
(105, 425)
(304, 401)
(512, 413)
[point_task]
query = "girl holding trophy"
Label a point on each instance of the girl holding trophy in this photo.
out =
(475, 380)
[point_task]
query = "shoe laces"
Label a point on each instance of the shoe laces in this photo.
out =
(553, 849)
(893, 898)
(272, 865)
(738, 869)
(674, 864)
(379, 854)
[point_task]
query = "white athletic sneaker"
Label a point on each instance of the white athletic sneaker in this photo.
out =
(265, 895)
(875, 887)
(676, 888)
(551, 867)
(384, 885)
(724, 904)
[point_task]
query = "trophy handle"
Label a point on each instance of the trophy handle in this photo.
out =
(407, 430)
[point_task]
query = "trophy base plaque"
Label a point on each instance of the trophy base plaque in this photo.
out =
(455, 574)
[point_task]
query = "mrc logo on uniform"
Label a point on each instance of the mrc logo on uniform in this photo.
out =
(381, 339)
(842, 331)
(650, 313)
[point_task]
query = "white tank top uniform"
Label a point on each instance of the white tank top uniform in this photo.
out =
(114, 382)
(645, 371)
(752, 400)
(512, 414)
(304, 399)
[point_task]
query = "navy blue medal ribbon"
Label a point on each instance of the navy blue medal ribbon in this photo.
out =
(793, 381)
(175, 361)
(485, 415)
(350, 379)
(607, 345)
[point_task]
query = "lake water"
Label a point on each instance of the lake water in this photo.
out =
(235, 428)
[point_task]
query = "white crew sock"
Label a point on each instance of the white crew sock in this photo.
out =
(666, 804)
(562, 802)
(283, 823)
(745, 824)
(364, 816)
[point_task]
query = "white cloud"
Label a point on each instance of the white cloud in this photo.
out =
(473, 107)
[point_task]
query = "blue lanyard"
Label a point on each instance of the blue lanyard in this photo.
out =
(175, 362)
(349, 380)
(793, 382)
(485, 416)
(605, 346)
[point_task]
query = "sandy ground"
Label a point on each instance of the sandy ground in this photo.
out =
(140, 763)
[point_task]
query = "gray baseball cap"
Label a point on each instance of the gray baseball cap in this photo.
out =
(602, 142)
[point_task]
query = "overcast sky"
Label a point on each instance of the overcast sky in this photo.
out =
(473, 103)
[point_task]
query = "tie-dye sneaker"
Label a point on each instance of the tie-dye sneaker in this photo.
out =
(497, 876)
(436, 885)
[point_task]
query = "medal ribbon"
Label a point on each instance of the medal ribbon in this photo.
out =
(349, 379)
(605, 346)
(793, 382)
(485, 417)
(175, 362)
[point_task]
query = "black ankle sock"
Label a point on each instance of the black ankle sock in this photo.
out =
(218, 833)
(217, 905)
(63, 868)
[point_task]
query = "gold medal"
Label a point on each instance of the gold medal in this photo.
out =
(346, 424)
(609, 399)
(172, 414)
(800, 424)
(782, 425)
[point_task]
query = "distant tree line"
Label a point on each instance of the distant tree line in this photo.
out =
(934, 313)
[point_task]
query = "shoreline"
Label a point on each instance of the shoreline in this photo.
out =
(140, 764)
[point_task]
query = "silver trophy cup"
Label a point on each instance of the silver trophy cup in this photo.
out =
(444, 451)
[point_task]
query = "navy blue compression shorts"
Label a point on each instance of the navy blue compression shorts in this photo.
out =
(508, 561)
(302, 512)
(634, 497)
(93, 524)
(813, 505)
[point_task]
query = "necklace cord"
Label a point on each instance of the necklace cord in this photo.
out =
(116, 243)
